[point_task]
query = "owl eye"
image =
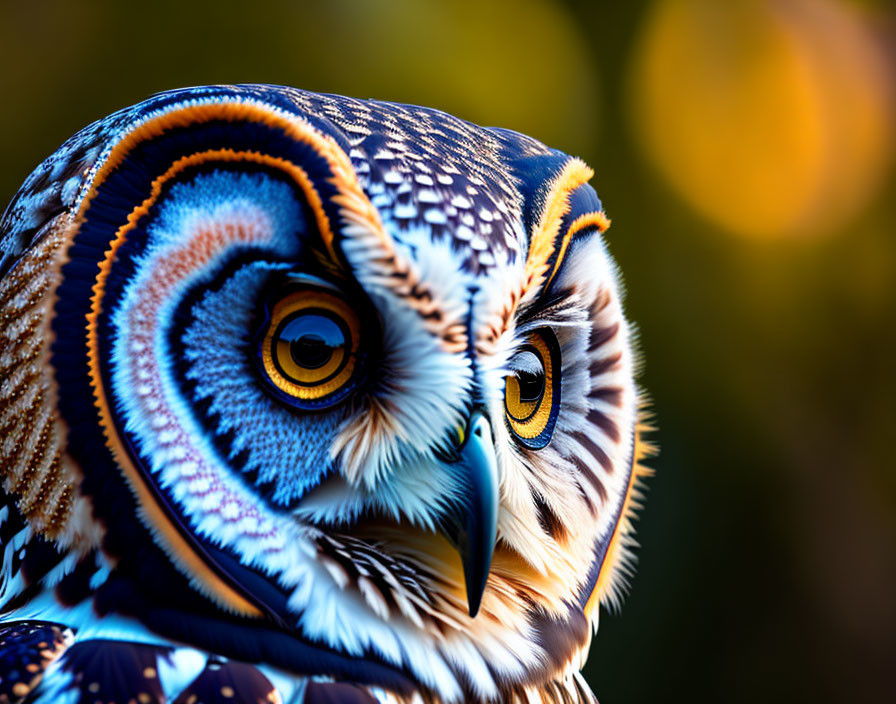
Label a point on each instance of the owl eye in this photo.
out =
(532, 389)
(308, 347)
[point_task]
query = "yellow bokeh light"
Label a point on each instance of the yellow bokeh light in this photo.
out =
(770, 117)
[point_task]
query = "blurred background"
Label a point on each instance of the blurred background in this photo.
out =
(745, 152)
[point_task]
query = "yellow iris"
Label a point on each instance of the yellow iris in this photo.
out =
(529, 397)
(310, 347)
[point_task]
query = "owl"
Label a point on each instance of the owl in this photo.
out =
(309, 399)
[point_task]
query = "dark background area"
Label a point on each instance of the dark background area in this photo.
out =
(744, 151)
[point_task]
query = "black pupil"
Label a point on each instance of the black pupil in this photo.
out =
(312, 339)
(531, 386)
(310, 351)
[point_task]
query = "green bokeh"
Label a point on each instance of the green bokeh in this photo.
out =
(768, 560)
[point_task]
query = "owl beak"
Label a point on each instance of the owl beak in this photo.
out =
(472, 523)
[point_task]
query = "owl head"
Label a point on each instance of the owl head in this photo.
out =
(340, 386)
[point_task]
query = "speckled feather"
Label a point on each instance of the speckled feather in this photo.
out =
(405, 157)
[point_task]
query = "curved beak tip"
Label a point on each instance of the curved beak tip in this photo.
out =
(473, 526)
